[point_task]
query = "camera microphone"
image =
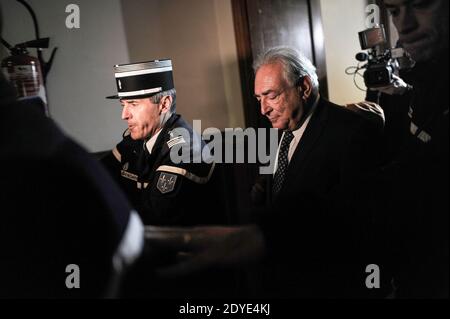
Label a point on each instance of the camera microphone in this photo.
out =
(362, 56)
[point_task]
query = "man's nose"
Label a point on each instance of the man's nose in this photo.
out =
(406, 20)
(265, 108)
(125, 113)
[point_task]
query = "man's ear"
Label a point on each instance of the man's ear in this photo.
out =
(306, 86)
(165, 104)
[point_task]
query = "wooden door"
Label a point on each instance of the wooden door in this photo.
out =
(260, 24)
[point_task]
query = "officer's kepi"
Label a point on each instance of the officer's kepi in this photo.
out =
(143, 79)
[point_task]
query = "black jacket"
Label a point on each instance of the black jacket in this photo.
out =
(315, 228)
(414, 183)
(168, 193)
(164, 192)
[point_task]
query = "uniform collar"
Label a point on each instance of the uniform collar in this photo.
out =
(157, 140)
(151, 142)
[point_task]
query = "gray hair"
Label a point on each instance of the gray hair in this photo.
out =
(296, 65)
(155, 99)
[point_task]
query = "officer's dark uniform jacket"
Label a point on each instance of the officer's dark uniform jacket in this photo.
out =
(167, 193)
(164, 192)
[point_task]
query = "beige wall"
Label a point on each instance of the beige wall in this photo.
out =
(198, 36)
(82, 73)
(342, 20)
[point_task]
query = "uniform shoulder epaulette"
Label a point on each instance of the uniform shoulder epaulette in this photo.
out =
(175, 139)
(188, 174)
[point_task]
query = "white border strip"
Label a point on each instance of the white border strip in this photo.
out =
(141, 92)
(141, 72)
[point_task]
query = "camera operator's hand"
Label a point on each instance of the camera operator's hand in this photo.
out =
(369, 110)
(398, 87)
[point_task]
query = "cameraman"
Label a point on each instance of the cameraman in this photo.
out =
(416, 180)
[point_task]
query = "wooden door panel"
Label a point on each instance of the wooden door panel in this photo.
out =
(281, 22)
(261, 24)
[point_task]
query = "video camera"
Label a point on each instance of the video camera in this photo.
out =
(382, 63)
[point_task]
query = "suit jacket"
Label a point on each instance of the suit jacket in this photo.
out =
(315, 227)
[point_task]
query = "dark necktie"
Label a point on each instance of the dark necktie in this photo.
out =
(283, 162)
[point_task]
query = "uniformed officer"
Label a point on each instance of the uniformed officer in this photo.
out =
(164, 191)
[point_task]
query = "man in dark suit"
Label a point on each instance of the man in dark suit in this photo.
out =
(311, 230)
(324, 150)
(322, 145)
